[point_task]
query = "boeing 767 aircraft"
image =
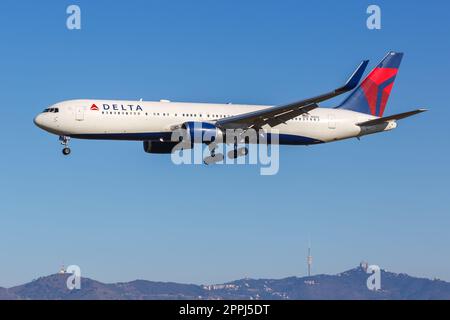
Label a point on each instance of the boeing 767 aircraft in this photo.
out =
(299, 123)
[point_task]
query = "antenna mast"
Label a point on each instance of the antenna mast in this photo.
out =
(309, 258)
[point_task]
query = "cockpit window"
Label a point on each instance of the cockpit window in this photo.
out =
(54, 110)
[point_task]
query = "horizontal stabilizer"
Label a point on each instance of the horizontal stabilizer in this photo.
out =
(390, 118)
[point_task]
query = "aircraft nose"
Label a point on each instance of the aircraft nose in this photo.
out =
(38, 121)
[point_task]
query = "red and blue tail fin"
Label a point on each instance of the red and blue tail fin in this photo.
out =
(372, 94)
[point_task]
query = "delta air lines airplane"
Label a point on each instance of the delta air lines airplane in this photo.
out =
(299, 123)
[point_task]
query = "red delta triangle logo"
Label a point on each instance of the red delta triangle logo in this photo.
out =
(94, 107)
(377, 88)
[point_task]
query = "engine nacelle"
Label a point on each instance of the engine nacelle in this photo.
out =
(159, 147)
(200, 132)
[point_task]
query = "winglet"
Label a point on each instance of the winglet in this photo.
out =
(356, 76)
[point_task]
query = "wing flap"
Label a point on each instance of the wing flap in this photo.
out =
(291, 114)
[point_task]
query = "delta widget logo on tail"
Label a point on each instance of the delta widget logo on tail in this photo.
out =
(372, 95)
(377, 88)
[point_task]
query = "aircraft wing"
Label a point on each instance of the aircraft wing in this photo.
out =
(280, 114)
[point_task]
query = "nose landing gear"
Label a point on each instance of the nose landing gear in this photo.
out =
(65, 141)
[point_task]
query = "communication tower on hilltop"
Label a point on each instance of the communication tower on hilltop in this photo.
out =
(309, 259)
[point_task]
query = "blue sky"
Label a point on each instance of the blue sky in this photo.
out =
(121, 214)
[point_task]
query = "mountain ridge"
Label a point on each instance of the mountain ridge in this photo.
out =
(348, 285)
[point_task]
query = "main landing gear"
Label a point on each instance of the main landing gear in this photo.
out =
(65, 142)
(237, 152)
(214, 157)
(233, 154)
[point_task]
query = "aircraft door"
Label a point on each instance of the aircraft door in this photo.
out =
(79, 113)
(331, 121)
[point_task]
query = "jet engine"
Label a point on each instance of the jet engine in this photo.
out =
(200, 132)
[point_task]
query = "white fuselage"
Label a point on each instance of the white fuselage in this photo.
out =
(147, 121)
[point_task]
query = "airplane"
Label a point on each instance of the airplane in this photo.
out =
(299, 123)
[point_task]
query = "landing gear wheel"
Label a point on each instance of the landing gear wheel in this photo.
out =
(213, 159)
(66, 151)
